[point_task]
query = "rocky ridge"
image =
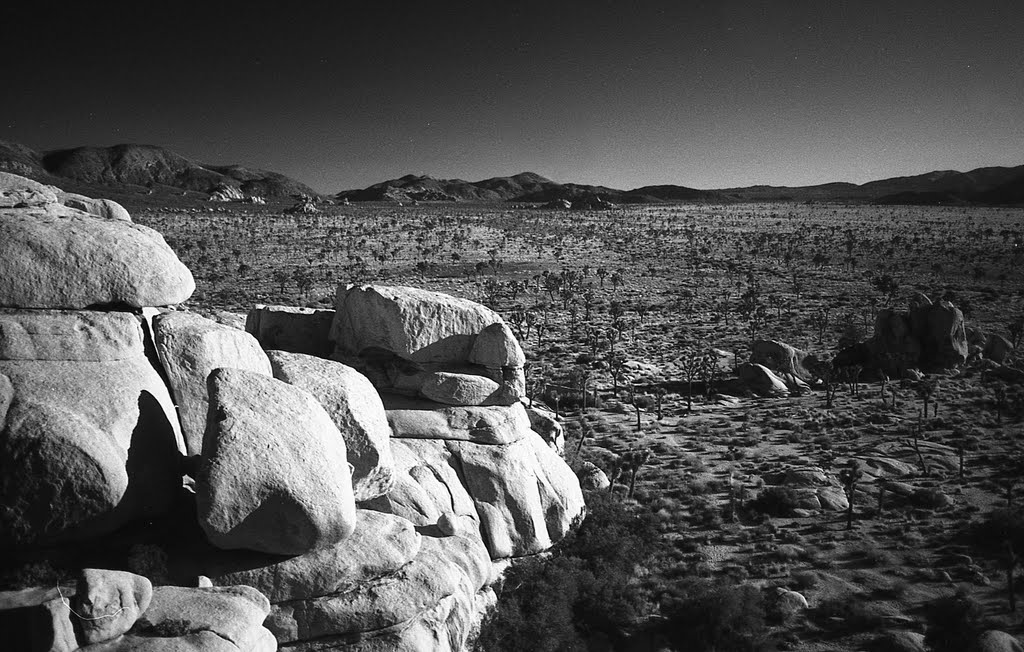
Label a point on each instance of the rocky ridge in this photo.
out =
(347, 479)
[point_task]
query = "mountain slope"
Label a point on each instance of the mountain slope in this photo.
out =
(142, 165)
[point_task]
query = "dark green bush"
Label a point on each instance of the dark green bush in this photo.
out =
(953, 623)
(712, 616)
(776, 501)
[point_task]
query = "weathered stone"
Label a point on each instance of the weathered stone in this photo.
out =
(81, 335)
(940, 329)
(761, 380)
(190, 347)
(592, 478)
(36, 619)
(997, 348)
(526, 496)
(234, 613)
(444, 567)
(57, 257)
(459, 389)
(545, 423)
(297, 330)
(427, 484)
(833, 498)
(19, 192)
(782, 358)
(415, 324)
(107, 209)
(422, 419)
(381, 544)
(355, 408)
(108, 602)
(274, 475)
(496, 346)
(997, 641)
(86, 447)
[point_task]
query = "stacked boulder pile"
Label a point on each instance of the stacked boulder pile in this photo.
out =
(347, 479)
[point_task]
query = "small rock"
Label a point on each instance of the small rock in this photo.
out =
(108, 602)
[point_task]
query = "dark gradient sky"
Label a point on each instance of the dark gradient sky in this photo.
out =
(702, 94)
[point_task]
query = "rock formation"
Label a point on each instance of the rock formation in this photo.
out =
(342, 479)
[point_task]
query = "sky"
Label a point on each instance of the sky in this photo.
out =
(702, 94)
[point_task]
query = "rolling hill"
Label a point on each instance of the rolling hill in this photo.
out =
(143, 166)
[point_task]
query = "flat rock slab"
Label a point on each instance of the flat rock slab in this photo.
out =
(460, 389)
(380, 545)
(274, 475)
(190, 347)
(37, 619)
(356, 409)
(57, 257)
(81, 335)
(424, 419)
(18, 191)
(444, 567)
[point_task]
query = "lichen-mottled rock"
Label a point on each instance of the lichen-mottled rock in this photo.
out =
(108, 602)
(423, 419)
(592, 478)
(297, 330)
(190, 347)
(355, 408)
(414, 324)
(274, 475)
(53, 256)
(380, 545)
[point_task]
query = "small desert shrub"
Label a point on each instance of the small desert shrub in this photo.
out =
(711, 616)
(851, 612)
(804, 580)
(953, 623)
(776, 501)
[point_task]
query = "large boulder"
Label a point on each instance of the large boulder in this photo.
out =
(54, 256)
(761, 380)
(444, 568)
(357, 411)
(418, 325)
(460, 389)
(108, 602)
(273, 475)
(940, 330)
(380, 545)
(496, 346)
(782, 359)
(190, 347)
(997, 348)
(297, 330)
(90, 438)
(423, 419)
(996, 641)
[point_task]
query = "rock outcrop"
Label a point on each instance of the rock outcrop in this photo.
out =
(929, 336)
(782, 359)
(124, 420)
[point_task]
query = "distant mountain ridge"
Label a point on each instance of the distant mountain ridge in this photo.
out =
(143, 165)
(129, 167)
(988, 185)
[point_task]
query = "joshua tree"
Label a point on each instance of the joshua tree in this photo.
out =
(820, 322)
(849, 477)
(633, 460)
(693, 365)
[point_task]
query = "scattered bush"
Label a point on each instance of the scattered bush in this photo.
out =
(953, 623)
(776, 501)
